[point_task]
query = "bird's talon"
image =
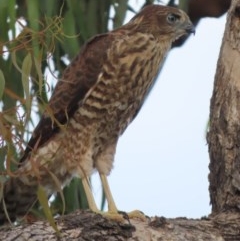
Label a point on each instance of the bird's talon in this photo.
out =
(136, 214)
(112, 216)
(124, 214)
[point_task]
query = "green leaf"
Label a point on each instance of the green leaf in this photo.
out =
(2, 84)
(183, 4)
(38, 67)
(70, 43)
(59, 189)
(74, 197)
(14, 61)
(3, 153)
(120, 12)
(49, 7)
(33, 18)
(26, 70)
(3, 20)
(12, 16)
(42, 198)
(33, 13)
(11, 119)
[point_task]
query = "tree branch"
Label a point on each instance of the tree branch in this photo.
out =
(85, 226)
(223, 137)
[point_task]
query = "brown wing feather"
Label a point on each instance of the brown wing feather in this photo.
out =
(76, 81)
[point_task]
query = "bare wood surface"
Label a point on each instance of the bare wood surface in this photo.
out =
(85, 225)
(223, 137)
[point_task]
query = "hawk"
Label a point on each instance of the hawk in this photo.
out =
(97, 97)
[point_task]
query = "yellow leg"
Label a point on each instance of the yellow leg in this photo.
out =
(112, 212)
(91, 202)
(111, 204)
(112, 208)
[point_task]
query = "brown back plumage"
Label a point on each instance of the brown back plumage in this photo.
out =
(99, 94)
(77, 79)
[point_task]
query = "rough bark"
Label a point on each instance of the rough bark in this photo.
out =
(86, 226)
(224, 134)
(223, 140)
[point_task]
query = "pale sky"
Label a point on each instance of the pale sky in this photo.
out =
(161, 165)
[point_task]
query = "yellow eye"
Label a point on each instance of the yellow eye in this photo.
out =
(172, 18)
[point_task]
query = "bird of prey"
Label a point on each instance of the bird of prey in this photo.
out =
(97, 97)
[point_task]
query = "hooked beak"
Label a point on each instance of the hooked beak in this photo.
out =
(190, 28)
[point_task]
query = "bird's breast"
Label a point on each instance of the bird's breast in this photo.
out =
(112, 103)
(127, 75)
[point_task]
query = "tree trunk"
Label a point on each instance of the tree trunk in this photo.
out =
(224, 134)
(224, 150)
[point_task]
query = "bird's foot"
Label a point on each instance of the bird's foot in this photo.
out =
(136, 214)
(121, 216)
(115, 216)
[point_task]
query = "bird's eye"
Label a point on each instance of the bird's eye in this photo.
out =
(172, 18)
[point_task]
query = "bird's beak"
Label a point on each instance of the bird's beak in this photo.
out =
(190, 28)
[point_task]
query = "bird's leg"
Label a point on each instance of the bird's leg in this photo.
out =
(111, 204)
(112, 208)
(91, 202)
(113, 213)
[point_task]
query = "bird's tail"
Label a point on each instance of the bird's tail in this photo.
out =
(18, 196)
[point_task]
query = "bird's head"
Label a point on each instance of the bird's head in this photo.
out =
(163, 21)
